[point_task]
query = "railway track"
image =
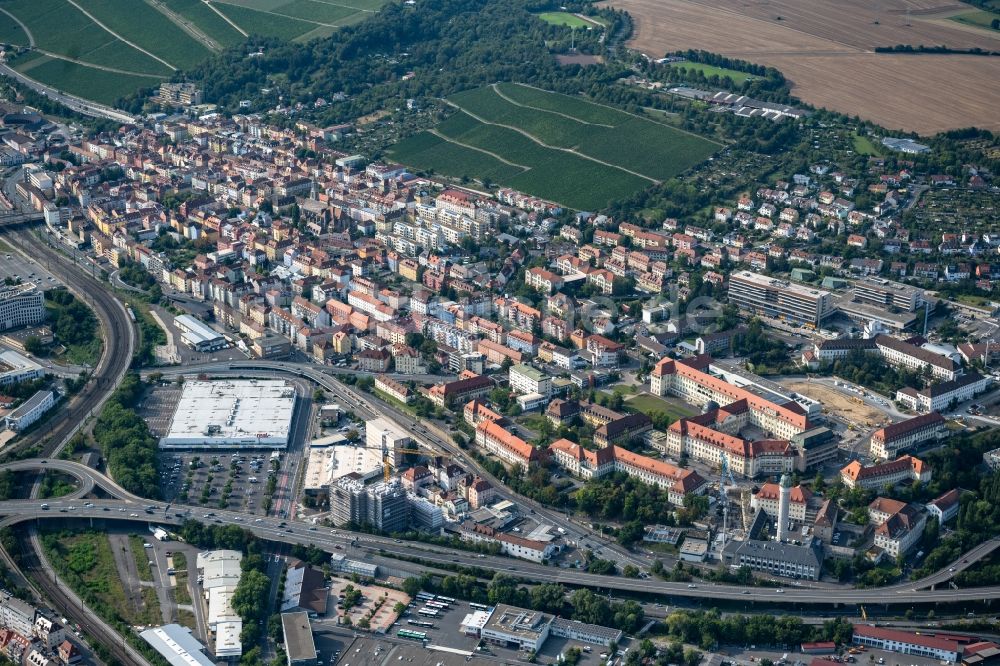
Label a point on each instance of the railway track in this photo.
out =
(119, 344)
(71, 607)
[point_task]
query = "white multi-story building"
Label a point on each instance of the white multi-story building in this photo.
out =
(899, 526)
(525, 379)
(711, 438)
(20, 305)
(49, 632)
(767, 498)
(902, 354)
(505, 445)
(887, 442)
(16, 614)
(906, 468)
(939, 397)
(779, 299)
(384, 435)
(587, 464)
(31, 410)
(15, 368)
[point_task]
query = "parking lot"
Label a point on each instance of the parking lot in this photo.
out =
(222, 479)
(17, 268)
(158, 408)
(225, 478)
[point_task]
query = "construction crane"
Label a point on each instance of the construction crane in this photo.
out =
(726, 475)
(387, 457)
(387, 462)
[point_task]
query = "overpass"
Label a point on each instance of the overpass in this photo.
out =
(128, 507)
(14, 218)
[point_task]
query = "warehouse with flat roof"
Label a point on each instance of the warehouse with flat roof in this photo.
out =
(176, 644)
(198, 335)
(245, 413)
(221, 572)
(300, 647)
(15, 367)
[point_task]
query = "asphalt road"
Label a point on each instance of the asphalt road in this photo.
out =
(355, 544)
(77, 104)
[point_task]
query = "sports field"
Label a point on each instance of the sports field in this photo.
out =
(106, 49)
(565, 149)
(570, 20)
(709, 71)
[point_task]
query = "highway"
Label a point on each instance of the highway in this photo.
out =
(86, 107)
(131, 508)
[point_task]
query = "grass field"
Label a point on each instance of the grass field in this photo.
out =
(86, 562)
(863, 145)
(827, 53)
(87, 82)
(568, 20)
(299, 20)
(60, 28)
(11, 32)
(561, 148)
(261, 23)
(978, 18)
(648, 403)
(141, 558)
(738, 77)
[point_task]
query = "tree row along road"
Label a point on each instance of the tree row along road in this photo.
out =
(132, 508)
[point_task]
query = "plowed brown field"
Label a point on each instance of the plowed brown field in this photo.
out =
(826, 49)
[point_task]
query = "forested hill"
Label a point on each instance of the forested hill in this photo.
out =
(449, 45)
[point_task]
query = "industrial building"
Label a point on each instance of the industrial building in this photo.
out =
(305, 590)
(197, 335)
(300, 647)
(780, 556)
(176, 644)
(31, 410)
(20, 305)
(527, 630)
(16, 368)
(221, 573)
(779, 299)
(247, 413)
(906, 642)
